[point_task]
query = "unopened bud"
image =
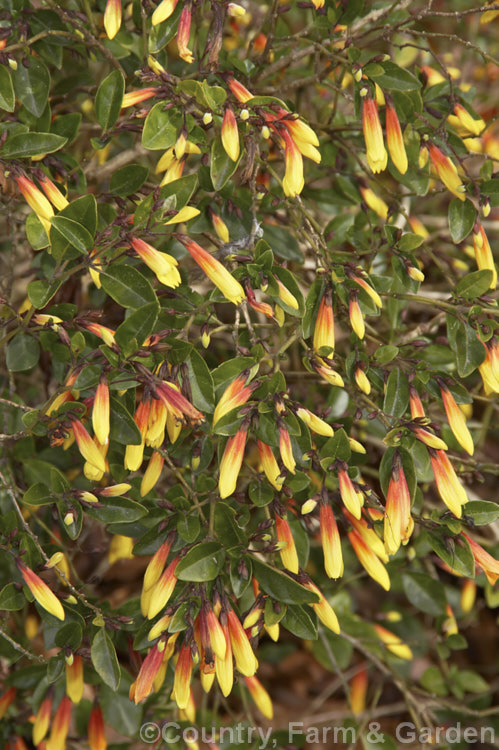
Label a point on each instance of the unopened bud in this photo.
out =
(357, 74)
(69, 518)
(54, 560)
(207, 118)
(235, 10)
(244, 114)
(308, 506)
(265, 132)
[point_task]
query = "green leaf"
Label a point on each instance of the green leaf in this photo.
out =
(470, 352)
(38, 494)
(120, 712)
(395, 78)
(11, 598)
(127, 286)
(433, 681)
(386, 353)
(31, 85)
(69, 635)
(201, 382)
(22, 353)
(41, 292)
(474, 284)
(128, 180)
(137, 326)
(261, 493)
(104, 659)
(282, 243)
(162, 33)
(425, 593)
(25, 145)
(221, 165)
(481, 512)
(35, 232)
(455, 552)
(159, 131)
(202, 563)
(471, 682)
(396, 394)
(109, 99)
(7, 98)
(76, 234)
(122, 425)
(300, 622)
(280, 586)
(117, 510)
(462, 216)
(225, 526)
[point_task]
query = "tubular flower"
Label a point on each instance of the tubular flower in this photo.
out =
(489, 369)
(224, 669)
(42, 720)
(329, 375)
(231, 462)
(106, 334)
(289, 556)
(286, 297)
(331, 543)
(483, 253)
(377, 158)
(394, 139)
(135, 453)
(176, 403)
(398, 521)
(240, 92)
(216, 272)
(314, 423)
(293, 181)
(148, 671)
(220, 227)
(159, 627)
(100, 412)
(356, 317)
(5, 701)
(174, 172)
(185, 214)
(368, 559)
(96, 736)
(286, 450)
(161, 592)
(230, 135)
(415, 403)
(156, 425)
(358, 692)
(428, 438)
(449, 487)
(156, 565)
(456, 419)
(464, 123)
(215, 632)
(53, 193)
(468, 595)
(41, 592)
(114, 490)
(36, 200)
(182, 679)
(374, 202)
(373, 294)
(447, 172)
(261, 307)
(162, 264)
(362, 381)
(120, 549)
(352, 499)
(163, 11)
(260, 696)
(74, 678)
(365, 530)
(152, 473)
(183, 34)
(270, 465)
(60, 726)
(484, 561)
(112, 18)
(324, 324)
(323, 609)
(418, 227)
(244, 657)
(236, 395)
(393, 643)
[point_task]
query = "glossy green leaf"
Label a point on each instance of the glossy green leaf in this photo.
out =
(159, 132)
(455, 552)
(109, 98)
(74, 233)
(31, 85)
(137, 326)
(41, 292)
(481, 512)
(127, 286)
(104, 659)
(474, 284)
(117, 510)
(300, 621)
(462, 216)
(202, 563)
(396, 394)
(470, 352)
(425, 593)
(7, 97)
(24, 145)
(11, 598)
(221, 165)
(123, 428)
(128, 180)
(22, 353)
(277, 584)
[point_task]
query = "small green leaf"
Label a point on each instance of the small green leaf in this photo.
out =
(282, 243)
(127, 286)
(138, 325)
(221, 165)
(386, 353)
(433, 681)
(202, 563)
(261, 493)
(38, 494)
(462, 216)
(454, 552)
(69, 635)
(31, 85)
(109, 98)
(300, 622)
(24, 145)
(35, 232)
(395, 78)
(117, 510)
(201, 382)
(280, 586)
(470, 352)
(7, 98)
(481, 512)
(122, 425)
(425, 593)
(474, 284)
(396, 394)
(11, 598)
(225, 525)
(128, 180)
(159, 131)
(22, 353)
(41, 292)
(74, 233)
(104, 659)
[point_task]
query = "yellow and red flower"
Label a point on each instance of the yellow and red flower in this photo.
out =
(447, 172)
(483, 253)
(96, 735)
(53, 193)
(60, 726)
(101, 413)
(183, 34)
(398, 520)
(230, 288)
(352, 499)
(182, 679)
(483, 560)
(42, 720)
(270, 466)
(41, 592)
(395, 139)
(6, 700)
(162, 264)
(324, 324)
(331, 543)
(163, 11)
(449, 487)
(244, 657)
(236, 394)
(160, 593)
(112, 18)
(323, 609)
(230, 135)
(231, 462)
(74, 678)
(288, 553)
(148, 671)
(456, 419)
(293, 181)
(377, 157)
(260, 696)
(393, 643)
(355, 315)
